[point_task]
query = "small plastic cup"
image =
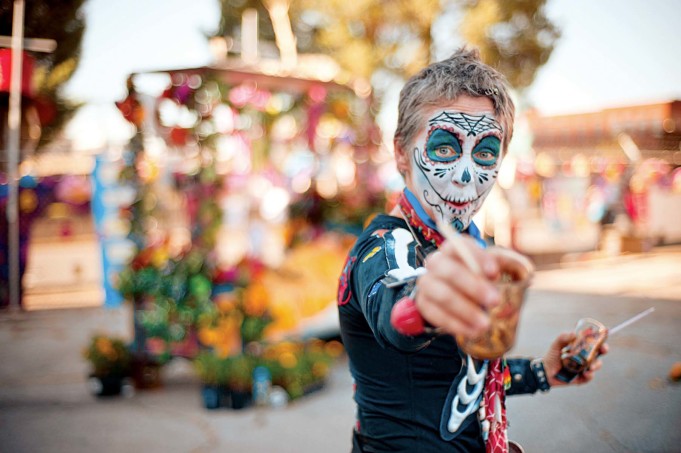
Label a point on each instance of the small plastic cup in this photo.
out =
(578, 355)
(516, 277)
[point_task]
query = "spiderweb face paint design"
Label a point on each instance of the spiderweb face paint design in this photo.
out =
(456, 168)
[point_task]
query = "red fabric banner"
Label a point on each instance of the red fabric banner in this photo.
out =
(6, 72)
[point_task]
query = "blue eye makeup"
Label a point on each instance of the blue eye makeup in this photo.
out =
(443, 146)
(486, 153)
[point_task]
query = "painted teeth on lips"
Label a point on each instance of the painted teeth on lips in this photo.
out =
(459, 204)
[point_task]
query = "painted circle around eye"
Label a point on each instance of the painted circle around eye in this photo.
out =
(486, 153)
(443, 146)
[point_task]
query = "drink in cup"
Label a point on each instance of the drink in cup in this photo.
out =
(578, 355)
(516, 275)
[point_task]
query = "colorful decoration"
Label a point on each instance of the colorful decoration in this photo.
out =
(275, 149)
(130, 107)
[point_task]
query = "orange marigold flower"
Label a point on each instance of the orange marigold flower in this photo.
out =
(334, 348)
(256, 299)
(288, 360)
(320, 369)
(207, 336)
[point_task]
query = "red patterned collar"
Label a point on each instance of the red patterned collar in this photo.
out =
(431, 235)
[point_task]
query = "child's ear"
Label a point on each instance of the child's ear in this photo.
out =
(401, 159)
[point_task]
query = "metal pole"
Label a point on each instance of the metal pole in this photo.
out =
(14, 126)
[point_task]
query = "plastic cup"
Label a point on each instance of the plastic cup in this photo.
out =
(578, 355)
(516, 276)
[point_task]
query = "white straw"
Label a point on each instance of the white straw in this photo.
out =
(462, 249)
(631, 320)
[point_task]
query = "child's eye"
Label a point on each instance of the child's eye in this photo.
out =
(445, 151)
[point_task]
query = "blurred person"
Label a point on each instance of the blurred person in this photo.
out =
(421, 392)
(34, 195)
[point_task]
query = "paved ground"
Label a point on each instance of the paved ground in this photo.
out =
(631, 406)
(64, 273)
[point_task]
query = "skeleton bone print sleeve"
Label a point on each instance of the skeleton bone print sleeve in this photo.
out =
(386, 252)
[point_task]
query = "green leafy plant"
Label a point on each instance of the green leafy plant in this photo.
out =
(210, 368)
(108, 356)
(171, 295)
(239, 372)
(299, 367)
(234, 372)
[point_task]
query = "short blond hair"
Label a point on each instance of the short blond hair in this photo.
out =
(462, 73)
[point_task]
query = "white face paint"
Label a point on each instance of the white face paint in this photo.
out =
(456, 161)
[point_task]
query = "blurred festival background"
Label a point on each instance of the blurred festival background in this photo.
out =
(212, 163)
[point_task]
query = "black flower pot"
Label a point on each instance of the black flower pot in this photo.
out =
(240, 399)
(106, 385)
(314, 387)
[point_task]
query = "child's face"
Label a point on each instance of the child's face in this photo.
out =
(455, 159)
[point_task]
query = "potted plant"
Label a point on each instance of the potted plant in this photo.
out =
(211, 371)
(239, 378)
(226, 382)
(142, 282)
(301, 368)
(110, 361)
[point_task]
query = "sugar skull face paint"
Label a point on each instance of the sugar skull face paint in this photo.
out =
(457, 165)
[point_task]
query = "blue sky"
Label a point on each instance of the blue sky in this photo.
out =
(611, 53)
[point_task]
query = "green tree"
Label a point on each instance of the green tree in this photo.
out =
(62, 21)
(364, 36)
(395, 36)
(515, 36)
(233, 10)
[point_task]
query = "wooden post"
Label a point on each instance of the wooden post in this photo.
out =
(14, 128)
